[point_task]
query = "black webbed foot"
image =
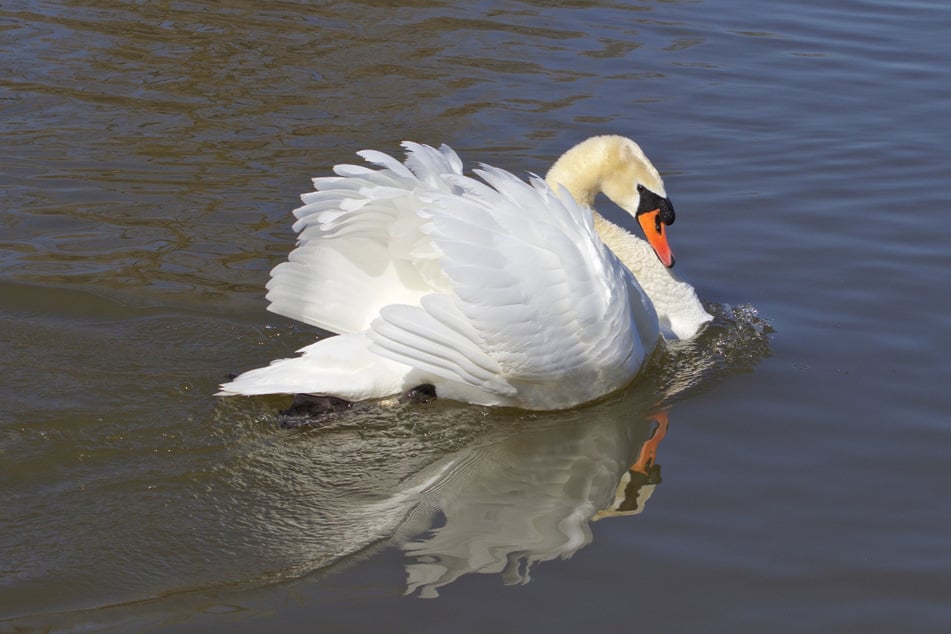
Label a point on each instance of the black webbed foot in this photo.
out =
(307, 409)
(419, 394)
(315, 405)
(311, 409)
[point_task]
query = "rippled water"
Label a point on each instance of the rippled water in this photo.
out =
(151, 155)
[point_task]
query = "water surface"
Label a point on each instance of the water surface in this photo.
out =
(152, 154)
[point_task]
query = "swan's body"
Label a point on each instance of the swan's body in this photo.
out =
(498, 292)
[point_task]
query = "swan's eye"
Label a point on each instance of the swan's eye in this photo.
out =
(640, 189)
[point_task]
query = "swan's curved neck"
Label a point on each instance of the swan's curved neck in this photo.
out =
(604, 164)
(633, 252)
(581, 169)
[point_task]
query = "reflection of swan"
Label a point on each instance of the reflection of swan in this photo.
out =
(516, 499)
(497, 292)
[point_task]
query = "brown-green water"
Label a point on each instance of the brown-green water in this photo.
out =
(151, 154)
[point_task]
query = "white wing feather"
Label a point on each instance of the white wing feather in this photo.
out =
(342, 366)
(535, 289)
(359, 244)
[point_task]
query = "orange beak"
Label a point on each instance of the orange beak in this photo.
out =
(655, 232)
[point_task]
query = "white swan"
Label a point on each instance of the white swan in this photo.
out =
(496, 292)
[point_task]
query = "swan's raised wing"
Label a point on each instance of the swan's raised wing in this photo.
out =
(536, 298)
(360, 246)
(501, 291)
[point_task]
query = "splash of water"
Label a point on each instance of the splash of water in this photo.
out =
(733, 343)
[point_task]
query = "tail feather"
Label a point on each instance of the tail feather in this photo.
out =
(341, 366)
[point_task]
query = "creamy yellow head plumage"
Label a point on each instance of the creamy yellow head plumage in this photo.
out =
(617, 167)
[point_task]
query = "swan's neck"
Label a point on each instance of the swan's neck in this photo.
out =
(634, 253)
(581, 170)
(591, 167)
(679, 310)
(612, 165)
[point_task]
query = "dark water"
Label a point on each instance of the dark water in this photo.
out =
(151, 154)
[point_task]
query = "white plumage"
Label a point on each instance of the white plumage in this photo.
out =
(496, 291)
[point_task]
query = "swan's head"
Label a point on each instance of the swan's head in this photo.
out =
(618, 167)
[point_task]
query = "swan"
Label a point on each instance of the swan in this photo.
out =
(493, 290)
